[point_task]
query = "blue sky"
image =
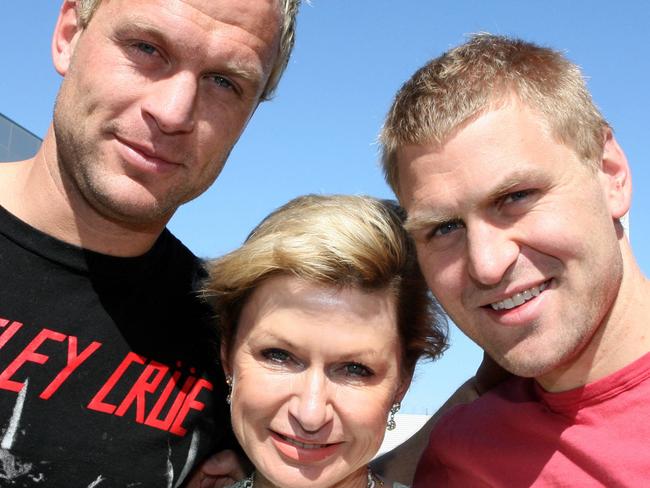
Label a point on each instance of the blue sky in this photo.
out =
(318, 134)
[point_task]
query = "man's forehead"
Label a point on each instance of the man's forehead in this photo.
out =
(498, 105)
(255, 16)
(252, 15)
(505, 137)
(435, 186)
(411, 152)
(207, 28)
(419, 171)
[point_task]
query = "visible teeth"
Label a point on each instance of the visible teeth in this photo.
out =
(519, 298)
(302, 445)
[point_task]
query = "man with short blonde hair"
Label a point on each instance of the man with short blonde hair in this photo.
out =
(514, 186)
(109, 371)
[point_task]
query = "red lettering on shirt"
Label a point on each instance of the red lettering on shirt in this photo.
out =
(190, 403)
(165, 424)
(74, 361)
(97, 403)
(140, 388)
(28, 354)
(8, 333)
(156, 395)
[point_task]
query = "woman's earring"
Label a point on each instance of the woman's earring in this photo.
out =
(391, 424)
(229, 383)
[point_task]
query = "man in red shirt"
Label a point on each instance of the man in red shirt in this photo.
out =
(515, 187)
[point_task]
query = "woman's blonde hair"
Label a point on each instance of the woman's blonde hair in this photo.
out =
(341, 241)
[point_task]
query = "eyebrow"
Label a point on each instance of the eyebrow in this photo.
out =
(432, 217)
(138, 26)
(284, 342)
(426, 220)
(513, 180)
(246, 72)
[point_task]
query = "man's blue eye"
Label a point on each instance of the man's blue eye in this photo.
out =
(222, 82)
(515, 196)
(146, 48)
(447, 228)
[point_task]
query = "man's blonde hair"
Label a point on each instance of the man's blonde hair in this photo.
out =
(470, 79)
(340, 241)
(288, 11)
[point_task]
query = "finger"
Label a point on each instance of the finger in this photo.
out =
(220, 482)
(224, 464)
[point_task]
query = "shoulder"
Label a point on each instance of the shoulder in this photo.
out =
(176, 262)
(511, 396)
(171, 245)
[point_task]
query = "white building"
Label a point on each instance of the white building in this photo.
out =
(406, 426)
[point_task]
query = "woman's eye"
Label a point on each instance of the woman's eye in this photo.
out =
(357, 370)
(276, 355)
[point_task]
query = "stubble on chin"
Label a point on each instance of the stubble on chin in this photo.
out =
(90, 187)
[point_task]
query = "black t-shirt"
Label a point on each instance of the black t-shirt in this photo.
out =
(109, 373)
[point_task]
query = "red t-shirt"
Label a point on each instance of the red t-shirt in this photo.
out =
(519, 435)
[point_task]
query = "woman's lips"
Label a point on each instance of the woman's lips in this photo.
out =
(301, 451)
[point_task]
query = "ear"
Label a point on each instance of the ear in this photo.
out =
(403, 387)
(64, 39)
(225, 361)
(615, 177)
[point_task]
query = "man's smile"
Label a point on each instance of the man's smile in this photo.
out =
(519, 298)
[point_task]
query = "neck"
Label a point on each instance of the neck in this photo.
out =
(620, 339)
(357, 479)
(34, 191)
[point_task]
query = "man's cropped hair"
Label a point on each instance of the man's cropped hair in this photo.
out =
(482, 74)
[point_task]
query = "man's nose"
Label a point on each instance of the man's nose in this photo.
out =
(491, 251)
(171, 103)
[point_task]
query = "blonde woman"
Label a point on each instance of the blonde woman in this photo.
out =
(323, 315)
